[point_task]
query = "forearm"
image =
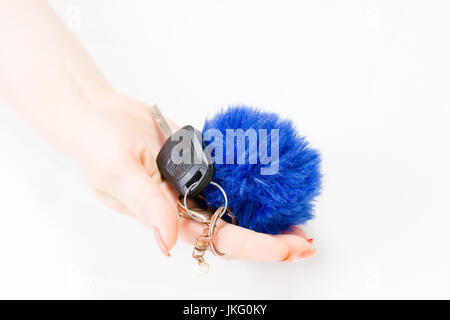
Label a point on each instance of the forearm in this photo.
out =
(45, 73)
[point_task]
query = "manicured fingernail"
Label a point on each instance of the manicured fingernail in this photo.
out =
(161, 244)
(310, 240)
(307, 254)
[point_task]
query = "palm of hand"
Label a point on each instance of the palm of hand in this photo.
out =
(116, 151)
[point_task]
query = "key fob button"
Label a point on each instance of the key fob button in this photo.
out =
(177, 171)
(182, 175)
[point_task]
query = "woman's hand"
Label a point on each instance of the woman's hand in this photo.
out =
(56, 86)
(115, 142)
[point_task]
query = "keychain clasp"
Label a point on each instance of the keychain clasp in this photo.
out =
(210, 227)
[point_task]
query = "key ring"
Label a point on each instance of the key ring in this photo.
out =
(205, 240)
(210, 228)
(208, 220)
(225, 207)
(202, 215)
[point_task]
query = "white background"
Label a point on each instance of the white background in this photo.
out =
(366, 81)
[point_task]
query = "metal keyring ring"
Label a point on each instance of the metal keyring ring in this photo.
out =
(189, 211)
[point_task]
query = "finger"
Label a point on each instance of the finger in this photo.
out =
(145, 197)
(239, 243)
(112, 203)
(299, 232)
(299, 247)
(147, 160)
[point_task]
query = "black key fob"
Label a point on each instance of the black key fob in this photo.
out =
(183, 162)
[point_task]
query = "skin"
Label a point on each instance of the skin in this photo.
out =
(56, 87)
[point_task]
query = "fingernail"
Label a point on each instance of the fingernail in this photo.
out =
(310, 240)
(160, 242)
(307, 254)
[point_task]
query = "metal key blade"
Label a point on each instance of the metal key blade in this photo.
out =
(162, 122)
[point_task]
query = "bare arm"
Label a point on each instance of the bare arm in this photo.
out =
(53, 83)
(44, 66)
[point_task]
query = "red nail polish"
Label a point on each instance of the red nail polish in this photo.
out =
(310, 240)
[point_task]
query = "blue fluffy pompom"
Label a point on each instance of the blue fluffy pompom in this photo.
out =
(268, 203)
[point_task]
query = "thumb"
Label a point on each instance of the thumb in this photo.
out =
(151, 206)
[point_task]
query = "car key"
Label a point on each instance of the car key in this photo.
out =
(191, 171)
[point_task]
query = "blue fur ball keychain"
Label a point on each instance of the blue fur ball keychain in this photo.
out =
(273, 193)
